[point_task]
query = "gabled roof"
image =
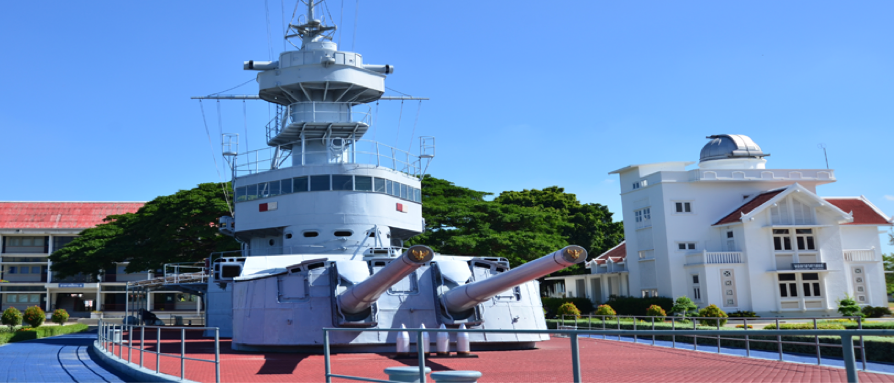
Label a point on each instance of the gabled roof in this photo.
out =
(60, 215)
(615, 255)
(748, 207)
(768, 198)
(864, 212)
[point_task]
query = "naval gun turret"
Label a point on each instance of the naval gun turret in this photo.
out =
(460, 301)
(355, 303)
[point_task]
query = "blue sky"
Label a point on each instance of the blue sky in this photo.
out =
(524, 94)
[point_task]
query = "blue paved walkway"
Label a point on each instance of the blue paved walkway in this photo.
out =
(761, 354)
(59, 359)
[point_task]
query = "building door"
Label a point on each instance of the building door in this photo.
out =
(596, 291)
(581, 288)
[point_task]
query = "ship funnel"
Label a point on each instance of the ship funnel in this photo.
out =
(466, 297)
(360, 297)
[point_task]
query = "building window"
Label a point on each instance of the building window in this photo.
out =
(643, 218)
(685, 246)
(788, 287)
(649, 293)
(811, 285)
(805, 239)
(683, 207)
(647, 254)
(696, 288)
(730, 242)
(781, 240)
(640, 184)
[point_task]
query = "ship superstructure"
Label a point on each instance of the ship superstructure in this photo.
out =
(323, 215)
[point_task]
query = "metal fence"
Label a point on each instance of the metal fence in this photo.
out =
(847, 342)
(112, 335)
(614, 322)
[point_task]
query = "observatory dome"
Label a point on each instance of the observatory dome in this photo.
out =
(732, 151)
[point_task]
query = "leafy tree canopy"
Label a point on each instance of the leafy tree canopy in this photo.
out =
(888, 260)
(520, 226)
(176, 228)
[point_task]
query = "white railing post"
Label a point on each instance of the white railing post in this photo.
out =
(704, 256)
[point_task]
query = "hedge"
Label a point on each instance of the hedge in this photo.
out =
(40, 332)
(637, 306)
(877, 348)
(552, 304)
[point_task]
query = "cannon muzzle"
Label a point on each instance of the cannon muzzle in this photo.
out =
(462, 298)
(361, 296)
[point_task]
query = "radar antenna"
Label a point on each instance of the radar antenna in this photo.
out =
(312, 27)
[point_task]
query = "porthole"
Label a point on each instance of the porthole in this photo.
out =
(288, 235)
(271, 242)
(311, 234)
(343, 233)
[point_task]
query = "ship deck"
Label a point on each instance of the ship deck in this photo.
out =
(601, 361)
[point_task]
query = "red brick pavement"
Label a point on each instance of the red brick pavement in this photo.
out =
(601, 361)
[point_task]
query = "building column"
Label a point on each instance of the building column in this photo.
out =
(603, 281)
(150, 301)
(97, 305)
(49, 304)
(625, 284)
(198, 304)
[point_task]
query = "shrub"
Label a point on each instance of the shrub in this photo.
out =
(569, 309)
(656, 311)
(552, 304)
(849, 307)
(712, 311)
(743, 326)
(60, 316)
(742, 314)
(637, 306)
(34, 316)
(871, 311)
(805, 326)
(606, 310)
(683, 306)
(11, 317)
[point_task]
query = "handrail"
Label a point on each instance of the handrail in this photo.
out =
(847, 341)
(106, 339)
(359, 151)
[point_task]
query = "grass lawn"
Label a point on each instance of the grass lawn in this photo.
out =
(17, 334)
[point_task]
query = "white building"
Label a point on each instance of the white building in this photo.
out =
(31, 231)
(733, 233)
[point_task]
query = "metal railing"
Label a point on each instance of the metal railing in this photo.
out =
(316, 111)
(847, 342)
(705, 257)
(859, 255)
(176, 273)
(604, 322)
(111, 335)
(357, 151)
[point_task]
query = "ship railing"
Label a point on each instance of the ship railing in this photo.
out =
(121, 336)
(289, 250)
(316, 111)
(846, 342)
(185, 273)
(338, 151)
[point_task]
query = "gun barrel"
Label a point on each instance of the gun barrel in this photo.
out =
(467, 296)
(361, 296)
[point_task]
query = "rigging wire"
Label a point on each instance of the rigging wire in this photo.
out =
(376, 121)
(282, 15)
(269, 39)
(227, 90)
(214, 158)
(394, 90)
(399, 118)
(418, 109)
(341, 17)
(356, 11)
(245, 119)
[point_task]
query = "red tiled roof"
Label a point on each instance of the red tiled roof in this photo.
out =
(617, 254)
(746, 208)
(864, 213)
(60, 215)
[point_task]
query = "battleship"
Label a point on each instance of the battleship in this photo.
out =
(323, 216)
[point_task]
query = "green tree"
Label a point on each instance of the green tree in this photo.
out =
(684, 307)
(520, 226)
(176, 228)
(888, 260)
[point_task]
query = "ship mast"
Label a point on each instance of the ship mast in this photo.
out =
(312, 28)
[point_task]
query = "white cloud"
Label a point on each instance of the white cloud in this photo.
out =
(889, 197)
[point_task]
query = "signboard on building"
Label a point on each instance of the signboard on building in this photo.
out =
(71, 285)
(809, 266)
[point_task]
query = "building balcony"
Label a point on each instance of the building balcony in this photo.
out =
(705, 257)
(860, 255)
